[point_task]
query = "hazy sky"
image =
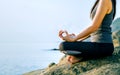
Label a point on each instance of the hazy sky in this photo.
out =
(40, 20)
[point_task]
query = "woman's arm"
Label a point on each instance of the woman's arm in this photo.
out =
(102, 10)
(84, 38)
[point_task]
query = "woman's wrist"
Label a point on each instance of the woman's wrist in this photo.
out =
(75, 39)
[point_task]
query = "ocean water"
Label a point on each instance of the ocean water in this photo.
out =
(19, 58)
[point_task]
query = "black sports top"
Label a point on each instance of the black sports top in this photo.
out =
(103, 34)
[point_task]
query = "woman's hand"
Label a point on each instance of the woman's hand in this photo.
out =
(67, 37)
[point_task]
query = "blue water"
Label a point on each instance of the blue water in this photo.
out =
(19, 58)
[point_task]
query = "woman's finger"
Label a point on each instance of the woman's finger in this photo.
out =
(66, 32)
(73, 34)
(60, 33)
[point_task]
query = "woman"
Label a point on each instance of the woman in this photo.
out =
(102, 14)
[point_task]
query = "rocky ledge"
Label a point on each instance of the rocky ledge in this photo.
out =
(103, 66)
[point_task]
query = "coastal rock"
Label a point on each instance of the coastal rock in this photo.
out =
(116, 32)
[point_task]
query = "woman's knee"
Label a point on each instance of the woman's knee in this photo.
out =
(61, 46)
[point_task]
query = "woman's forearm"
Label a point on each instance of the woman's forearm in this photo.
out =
(84, 38)
(84, 34)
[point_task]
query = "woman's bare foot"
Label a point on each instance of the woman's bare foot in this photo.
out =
(73, 59)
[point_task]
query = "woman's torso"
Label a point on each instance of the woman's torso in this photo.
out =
(103, 34)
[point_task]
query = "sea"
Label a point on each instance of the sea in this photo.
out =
(20, 58)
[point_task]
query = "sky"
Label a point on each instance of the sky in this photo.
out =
(36, 21)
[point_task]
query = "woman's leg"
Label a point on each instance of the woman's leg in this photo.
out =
(87, 49)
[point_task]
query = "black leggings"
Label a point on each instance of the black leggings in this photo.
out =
(88, 49)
